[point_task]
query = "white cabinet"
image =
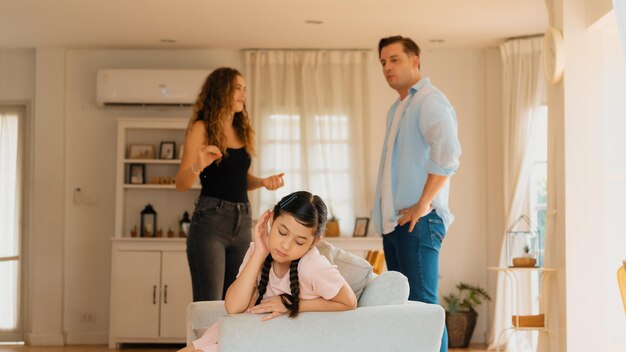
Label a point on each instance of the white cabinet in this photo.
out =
(150, 280)
(150, 291)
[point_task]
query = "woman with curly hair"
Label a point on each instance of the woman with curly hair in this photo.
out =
(218, 148)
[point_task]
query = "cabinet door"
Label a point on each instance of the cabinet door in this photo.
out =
(176, 294)
(136, 294)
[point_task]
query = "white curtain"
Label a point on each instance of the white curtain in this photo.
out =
(309, 109)
(619, 6)
(9, 205)
(523, 88)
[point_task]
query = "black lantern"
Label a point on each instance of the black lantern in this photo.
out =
(184, 224)
(148, 221)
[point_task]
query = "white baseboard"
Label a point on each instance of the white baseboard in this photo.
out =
(38, 339)
(86, 339)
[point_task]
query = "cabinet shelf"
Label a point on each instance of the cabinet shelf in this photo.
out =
(152, 161)
(155, 186)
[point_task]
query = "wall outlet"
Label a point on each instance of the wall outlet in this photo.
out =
(87, 318)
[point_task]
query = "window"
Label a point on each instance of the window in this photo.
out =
(314, 155)
(539, 177)
(9, 222)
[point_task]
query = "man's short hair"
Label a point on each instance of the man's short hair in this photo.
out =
(408, 44)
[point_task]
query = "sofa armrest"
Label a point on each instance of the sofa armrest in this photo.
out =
(413, 326)
(201, 315)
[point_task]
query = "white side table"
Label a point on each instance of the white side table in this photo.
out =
(513, 278)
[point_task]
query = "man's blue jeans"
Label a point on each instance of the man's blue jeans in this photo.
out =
(416, 255)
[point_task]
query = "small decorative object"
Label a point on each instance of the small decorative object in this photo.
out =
(332, 227)
(137, 174)
(148, 221)
(526, 261)
(360, 227)
(184, 224)
(181, 150)
(461, 313)
(141, 151)
(167, 150)
(521, 243)
(160, 232)
(170, 233)
(133, 231)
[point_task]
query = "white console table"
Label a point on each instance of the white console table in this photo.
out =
(356, 245)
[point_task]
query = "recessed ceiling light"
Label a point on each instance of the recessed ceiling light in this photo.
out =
(313, 22)
(168, 41)
(437, 41)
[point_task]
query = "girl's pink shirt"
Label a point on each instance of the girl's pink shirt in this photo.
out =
(317, 277)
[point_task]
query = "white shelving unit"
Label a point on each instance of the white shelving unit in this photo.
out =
(130, 199)
(512, 276)
(150, 280)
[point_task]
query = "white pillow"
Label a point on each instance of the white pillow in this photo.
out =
(390, 287)
(357, 271)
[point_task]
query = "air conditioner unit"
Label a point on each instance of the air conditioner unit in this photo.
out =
(128, 87)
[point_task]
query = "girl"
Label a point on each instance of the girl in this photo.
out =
(282, 272)
(218, 148)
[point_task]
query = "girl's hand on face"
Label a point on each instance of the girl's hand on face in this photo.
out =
(273, 305)
(261, 235)
(207, 154)
(273, 182)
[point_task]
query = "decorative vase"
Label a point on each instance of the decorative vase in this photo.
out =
(460, 328)
(332, 229)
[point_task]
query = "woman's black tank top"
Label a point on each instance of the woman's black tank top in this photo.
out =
(227, 179)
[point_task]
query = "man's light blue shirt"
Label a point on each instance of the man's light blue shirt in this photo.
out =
(426, 143)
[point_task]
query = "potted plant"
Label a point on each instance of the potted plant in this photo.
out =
(526, 260)
(332, 227)
(461, 313)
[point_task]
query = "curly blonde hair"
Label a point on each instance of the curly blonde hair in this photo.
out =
(213, 106)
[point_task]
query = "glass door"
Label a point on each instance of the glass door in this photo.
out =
(11, 122)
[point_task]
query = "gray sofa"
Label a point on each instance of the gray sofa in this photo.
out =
(383, 321)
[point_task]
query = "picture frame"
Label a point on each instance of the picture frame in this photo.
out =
(137, 174)
(167, 150)
(360, 227)
(141, 151)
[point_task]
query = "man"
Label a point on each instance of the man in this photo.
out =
(420, 153)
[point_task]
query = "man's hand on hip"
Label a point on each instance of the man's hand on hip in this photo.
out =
(413, 214)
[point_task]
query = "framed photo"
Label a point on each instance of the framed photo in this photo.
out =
(167, 150)
(137, 174)
(360, 227)
(141, 151)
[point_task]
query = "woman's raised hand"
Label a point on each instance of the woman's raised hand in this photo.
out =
(273, 182)
(207, 154)
(261, 235)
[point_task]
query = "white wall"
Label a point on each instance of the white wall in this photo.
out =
(495, 168)
(460, 74)
(575, 185)
(610, 98)
(17, 73)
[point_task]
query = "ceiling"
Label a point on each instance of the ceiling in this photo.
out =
(240, 24)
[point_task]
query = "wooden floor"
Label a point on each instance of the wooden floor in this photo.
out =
(140, 348)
